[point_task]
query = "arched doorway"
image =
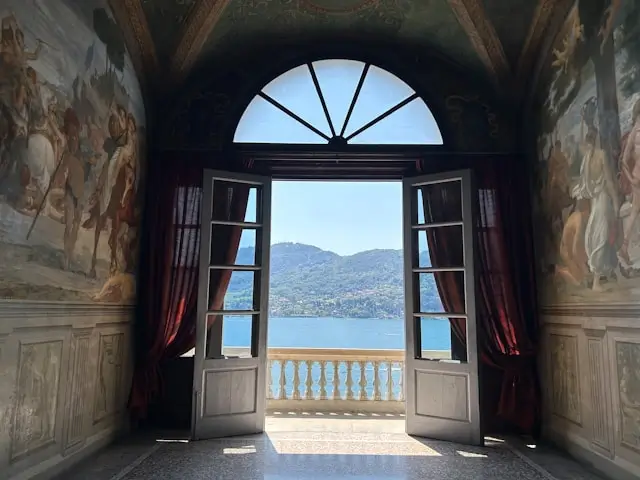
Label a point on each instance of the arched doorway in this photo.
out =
(323, 119)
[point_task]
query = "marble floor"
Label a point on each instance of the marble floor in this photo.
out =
(306, 447)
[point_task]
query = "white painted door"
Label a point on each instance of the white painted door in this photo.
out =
(441, 361)
(229, 380)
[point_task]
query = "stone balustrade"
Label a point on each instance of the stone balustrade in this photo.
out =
(336, 380)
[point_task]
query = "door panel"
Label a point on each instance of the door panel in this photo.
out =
(230, 381)
(442, 387)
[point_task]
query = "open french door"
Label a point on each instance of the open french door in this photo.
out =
(441, 364)
(230, 381)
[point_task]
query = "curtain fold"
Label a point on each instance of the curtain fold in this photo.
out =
(505, 296)
(507, 303)
(165, 326)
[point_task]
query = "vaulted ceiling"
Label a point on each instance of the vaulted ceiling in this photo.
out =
(496, 39)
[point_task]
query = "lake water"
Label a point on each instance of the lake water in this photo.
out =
(313, 332)
(329, 332)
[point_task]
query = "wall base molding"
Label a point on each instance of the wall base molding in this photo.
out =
(574, 447)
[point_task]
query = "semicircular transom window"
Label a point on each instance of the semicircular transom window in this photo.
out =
(338, 102)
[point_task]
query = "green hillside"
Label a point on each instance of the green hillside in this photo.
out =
(308, 281)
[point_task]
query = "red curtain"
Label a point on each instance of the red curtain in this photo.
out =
(168, 276)
(506, 298)
(165, 327)
(505, 303)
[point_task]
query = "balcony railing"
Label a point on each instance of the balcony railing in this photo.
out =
(336, 380)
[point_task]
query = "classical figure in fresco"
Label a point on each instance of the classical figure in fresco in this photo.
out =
(630, 180)
(558, 192)
(573, 255)
(14, 53)
(74, 185)
(596, 185)
(114, 195)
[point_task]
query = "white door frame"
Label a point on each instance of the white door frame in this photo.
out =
(442, 397)
(229, 393)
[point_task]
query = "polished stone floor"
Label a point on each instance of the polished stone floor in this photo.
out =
(322, 447)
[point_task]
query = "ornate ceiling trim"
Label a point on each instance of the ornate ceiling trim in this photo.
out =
(473, 19)
(201, 20)
(533, 42)
(133, 22)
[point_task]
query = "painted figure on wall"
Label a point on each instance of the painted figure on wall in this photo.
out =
(588, 180)
(71, 120)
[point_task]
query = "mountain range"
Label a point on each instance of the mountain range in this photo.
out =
(308, 281)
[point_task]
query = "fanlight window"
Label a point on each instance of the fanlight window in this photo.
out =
(338, 102)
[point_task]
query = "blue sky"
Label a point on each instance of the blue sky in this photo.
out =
(343, 217)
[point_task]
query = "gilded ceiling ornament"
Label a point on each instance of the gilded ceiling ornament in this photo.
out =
(483, 36)
(131, 18)
(200, 21)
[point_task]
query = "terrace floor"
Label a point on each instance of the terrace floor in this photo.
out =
(305, 446)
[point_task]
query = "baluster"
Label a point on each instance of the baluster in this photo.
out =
(401, 396)
(296, 379)
(389, 381)
(323, 380)
(282, 395)
(336, 380)
(377, 396)
(363, 381)
(349, 380)
(308, 394)
(269, 389)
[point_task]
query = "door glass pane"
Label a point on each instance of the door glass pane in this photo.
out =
(235, 202)
(442, 339)
(237, 335)
(229, 335)
(447, 250)
(239, 294)
(439, 202)
(452, 285)
(246, 254)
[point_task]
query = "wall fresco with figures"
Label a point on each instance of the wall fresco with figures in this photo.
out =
(72, 125)
(587, 223)
(588, 165)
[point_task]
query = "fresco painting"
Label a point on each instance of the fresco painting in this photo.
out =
(587, 175)
(72, 127)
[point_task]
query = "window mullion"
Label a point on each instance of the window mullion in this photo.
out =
(293, 115)
(314, 77)
(355, 98)
(383, 116)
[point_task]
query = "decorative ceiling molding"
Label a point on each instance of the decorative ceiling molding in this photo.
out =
(473, 19)
(137, 36)
(201, 20)
(533, 42)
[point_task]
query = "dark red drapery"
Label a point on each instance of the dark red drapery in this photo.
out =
(169, 273)
(505, 300)
(168, 277)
